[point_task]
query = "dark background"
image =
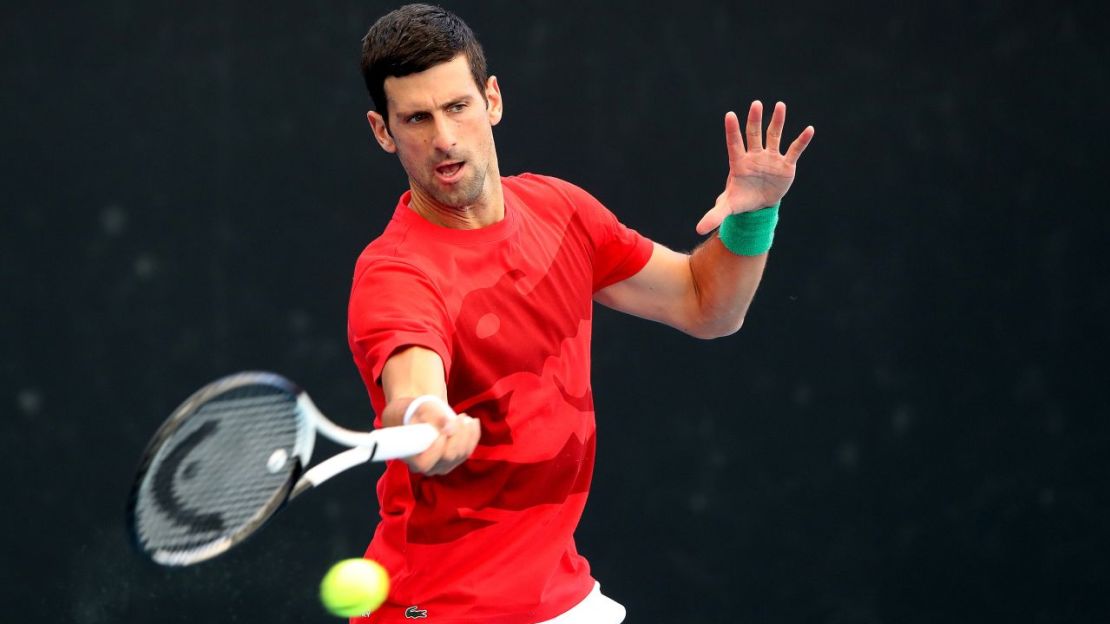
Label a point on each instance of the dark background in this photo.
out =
(911, 427)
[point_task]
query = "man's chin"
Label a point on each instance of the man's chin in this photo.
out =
(458, 198)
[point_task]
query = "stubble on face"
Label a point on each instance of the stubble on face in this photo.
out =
(460, 195)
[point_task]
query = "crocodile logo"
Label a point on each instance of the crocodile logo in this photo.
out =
(414, 613)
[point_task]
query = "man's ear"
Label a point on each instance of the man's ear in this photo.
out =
(495, 106)
(381, 132)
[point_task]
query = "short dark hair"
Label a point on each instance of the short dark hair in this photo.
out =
(411, 39)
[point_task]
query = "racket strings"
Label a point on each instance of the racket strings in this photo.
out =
(223, 471)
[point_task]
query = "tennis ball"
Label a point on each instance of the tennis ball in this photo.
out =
(354, 587)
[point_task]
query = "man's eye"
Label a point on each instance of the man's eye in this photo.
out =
(457, 108)
(418, 117)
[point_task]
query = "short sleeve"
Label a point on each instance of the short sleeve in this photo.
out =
(394, 304)
(619, 251)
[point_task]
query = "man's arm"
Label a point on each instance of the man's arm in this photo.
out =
(706, 294)
(414, 371)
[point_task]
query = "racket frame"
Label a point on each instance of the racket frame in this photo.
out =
(382, 444)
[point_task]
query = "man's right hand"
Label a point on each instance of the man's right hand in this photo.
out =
(458, 435)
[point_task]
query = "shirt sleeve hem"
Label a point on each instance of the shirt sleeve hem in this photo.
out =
(636, 259)
(386, 348)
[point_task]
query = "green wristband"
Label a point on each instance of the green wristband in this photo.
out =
(750, 233)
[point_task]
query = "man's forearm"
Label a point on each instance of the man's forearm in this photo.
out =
(409, 373)
(725, 284)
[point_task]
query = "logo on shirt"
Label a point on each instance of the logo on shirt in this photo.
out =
(415, 612)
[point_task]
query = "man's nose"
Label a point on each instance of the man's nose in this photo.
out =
(444, 138)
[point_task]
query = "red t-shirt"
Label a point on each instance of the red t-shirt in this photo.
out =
(509, 309)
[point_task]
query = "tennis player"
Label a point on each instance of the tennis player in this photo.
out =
(480, 291)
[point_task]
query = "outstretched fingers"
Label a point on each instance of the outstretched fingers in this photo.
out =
(755, 178)
(799, 145)
(774, 130)
(734, 140)
(714, 216)
(755, 127)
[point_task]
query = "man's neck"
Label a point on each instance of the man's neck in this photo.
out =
(488, 210)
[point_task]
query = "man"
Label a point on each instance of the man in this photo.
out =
(480, 292)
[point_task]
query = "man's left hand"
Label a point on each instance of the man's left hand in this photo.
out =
(758, 176)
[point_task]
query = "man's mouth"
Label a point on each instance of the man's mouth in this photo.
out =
(449, 172)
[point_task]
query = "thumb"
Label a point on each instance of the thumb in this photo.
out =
(713, 218)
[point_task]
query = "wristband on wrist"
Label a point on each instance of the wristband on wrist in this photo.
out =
(750, 233)
(420, 400)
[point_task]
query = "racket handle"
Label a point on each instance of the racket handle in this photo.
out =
(398, 442)
(404, 441)
(387, 443)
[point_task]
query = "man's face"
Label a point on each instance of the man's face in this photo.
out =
(441, 128)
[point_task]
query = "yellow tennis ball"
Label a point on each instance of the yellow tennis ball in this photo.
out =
(354, 587)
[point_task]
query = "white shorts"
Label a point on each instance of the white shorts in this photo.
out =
(595, 608)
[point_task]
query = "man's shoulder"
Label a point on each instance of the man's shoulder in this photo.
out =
(537, 183)
(535, 190)
(380, 271)
(388, 253)
(387, 244)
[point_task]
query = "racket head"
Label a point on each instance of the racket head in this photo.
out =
(221, 465)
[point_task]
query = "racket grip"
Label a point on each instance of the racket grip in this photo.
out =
(403, 441)
(378, 445)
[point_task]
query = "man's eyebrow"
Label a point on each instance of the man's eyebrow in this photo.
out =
(402, 113)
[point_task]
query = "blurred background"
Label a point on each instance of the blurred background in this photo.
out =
(911, 427)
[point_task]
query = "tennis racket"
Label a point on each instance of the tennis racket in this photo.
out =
(233, 454)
